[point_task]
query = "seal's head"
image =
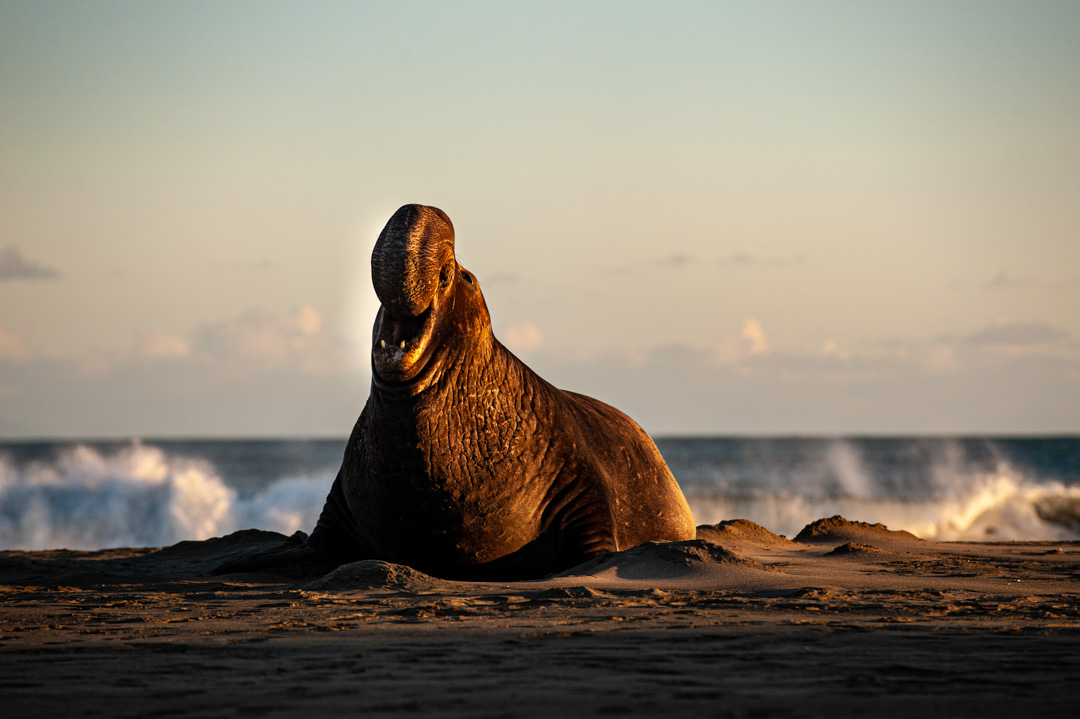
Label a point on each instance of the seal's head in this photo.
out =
(425, 295)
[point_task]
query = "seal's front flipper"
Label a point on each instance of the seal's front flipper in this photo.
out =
(586, 529)
(335, 533)
(332, 543)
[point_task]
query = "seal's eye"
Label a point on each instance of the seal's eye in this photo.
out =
(444, 275)
(467, 277)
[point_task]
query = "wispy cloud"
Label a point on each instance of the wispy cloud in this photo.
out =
(738, 347)
(680, 261)
(163, 345)
(522, 338)
(247, 346)
(258, 340)
(241, 348)
(676, 260)
(14, 266)
(1007, 333)
(12, 346)
(1004, 377)
(1005, 281)
(744, 259)
(259, 373)
(749, 350)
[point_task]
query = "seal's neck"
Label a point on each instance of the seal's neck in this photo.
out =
(462, 420)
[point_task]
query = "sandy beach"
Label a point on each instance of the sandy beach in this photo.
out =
(845, 619)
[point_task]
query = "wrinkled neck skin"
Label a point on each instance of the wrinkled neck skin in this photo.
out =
(462, 350)
(458, 417)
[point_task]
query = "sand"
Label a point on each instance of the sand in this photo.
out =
(847, 619)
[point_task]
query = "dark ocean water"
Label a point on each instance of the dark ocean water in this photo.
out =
(94, 495)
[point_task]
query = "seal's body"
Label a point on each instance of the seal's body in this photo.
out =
(466, 464)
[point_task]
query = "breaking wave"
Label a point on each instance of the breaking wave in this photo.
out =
(139, 496)
(94, 496)
(954, 498)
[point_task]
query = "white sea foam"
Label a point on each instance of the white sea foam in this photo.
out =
(957, 502)
(139, 496)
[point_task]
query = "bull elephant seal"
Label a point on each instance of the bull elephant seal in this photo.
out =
(466, 464)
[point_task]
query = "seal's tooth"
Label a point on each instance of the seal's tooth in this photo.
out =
(382, 343)
(402, 344)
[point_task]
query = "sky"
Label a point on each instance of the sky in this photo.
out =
(721, 217)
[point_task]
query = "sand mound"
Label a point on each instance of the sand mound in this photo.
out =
(175, 563)
(665, 561)
(374, 574)
(837, 530)
(854, 549)
(558, 593)
(740, 530)
(219, 550)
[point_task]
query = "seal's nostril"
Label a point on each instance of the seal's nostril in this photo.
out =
(410, 258)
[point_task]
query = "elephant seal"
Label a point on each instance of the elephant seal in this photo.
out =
(464, 463)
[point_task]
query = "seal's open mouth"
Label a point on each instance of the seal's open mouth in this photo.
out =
(402, 350)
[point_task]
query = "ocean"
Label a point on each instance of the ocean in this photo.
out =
(96, 495)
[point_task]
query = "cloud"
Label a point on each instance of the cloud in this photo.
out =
(737, 347)
(162, 345)
(831, 349)
(249, 345)
(1004, 281)
(999, 343)
(743, 259)
(754, 336)
(258, 373)
(684, 261)
(1006, 333)
(13, 347)
(938, 359)
(676, 260)
(261, 340)
(1017, 349)
(749, 351)
(307, 320)
(748, 381)
(13, 266)
(522, 338)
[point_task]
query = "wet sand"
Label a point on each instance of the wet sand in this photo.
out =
(847, 619)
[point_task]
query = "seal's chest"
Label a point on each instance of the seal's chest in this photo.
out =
(463, 519)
